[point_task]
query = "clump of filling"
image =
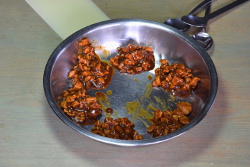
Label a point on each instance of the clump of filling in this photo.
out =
(120, 128)
(133, 59)
(175, 78)
(165, 122)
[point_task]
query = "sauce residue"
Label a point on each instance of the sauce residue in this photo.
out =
(103, 100)
(109, 110)
(148, 90)
(109, 92)
(143, 108)
(150, 77)
(136, 80)
(132, 108)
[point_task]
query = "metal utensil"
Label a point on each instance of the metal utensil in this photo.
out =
(179, 24)
(202, 21)
(203, 38)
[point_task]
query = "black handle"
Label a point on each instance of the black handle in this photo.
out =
(224, 9)
(201, 5)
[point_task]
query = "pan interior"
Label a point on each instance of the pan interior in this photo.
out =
(166, 43)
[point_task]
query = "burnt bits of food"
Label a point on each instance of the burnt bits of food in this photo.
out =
(133, 59)
(175, 78)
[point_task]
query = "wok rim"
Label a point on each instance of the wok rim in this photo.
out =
(66, 120)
